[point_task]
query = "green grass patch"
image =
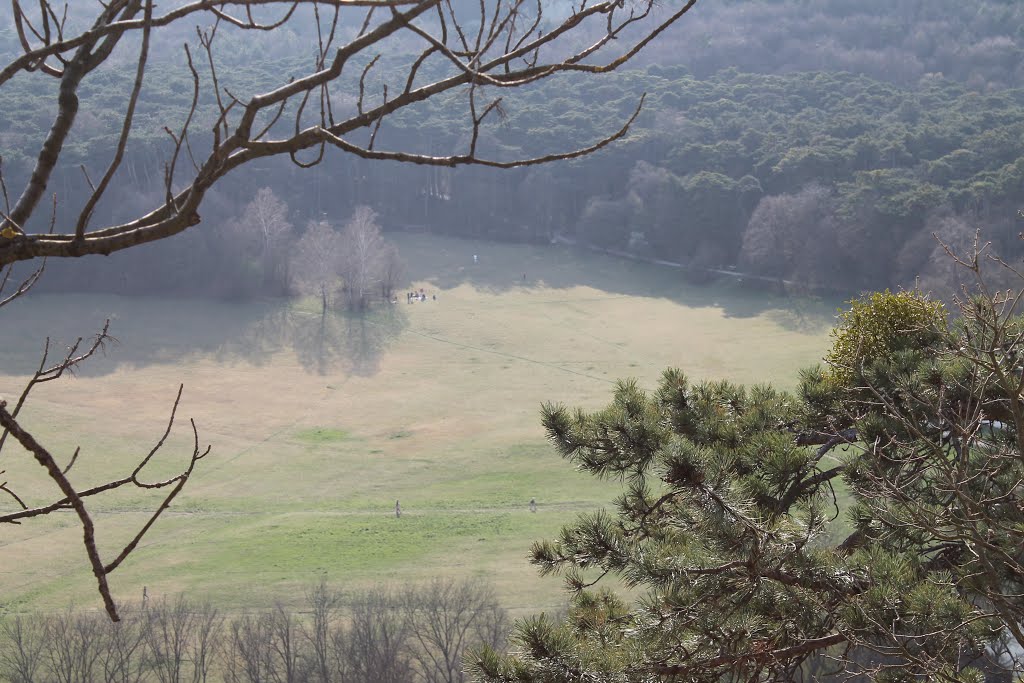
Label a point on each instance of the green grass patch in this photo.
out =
(321, 435)
(319, 425)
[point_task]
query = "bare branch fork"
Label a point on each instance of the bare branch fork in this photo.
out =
(74, 498)
(505, 52)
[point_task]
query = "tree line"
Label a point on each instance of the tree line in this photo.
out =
(832, 179)
(978, 43)
(417, 634)
(899, 41)
(262, 253)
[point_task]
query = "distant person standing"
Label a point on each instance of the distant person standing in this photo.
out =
(475, 259)
(398, 510)
(533, 505)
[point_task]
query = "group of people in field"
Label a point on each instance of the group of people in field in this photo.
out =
(414, 295)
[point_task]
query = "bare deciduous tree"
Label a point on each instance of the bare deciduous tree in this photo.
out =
(168, 629)
(775, 242)
(22, 648)
(448, 618)
(378, 639)
(74, 642)
(248, 650)
(363, 251)
(122, 656)
(205, 646)
(285, 644)
(325, 605)
(262, 234)
(181, 639)
(470, 53)
(392, 270)
(316, 261)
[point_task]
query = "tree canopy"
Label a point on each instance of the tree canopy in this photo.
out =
(889, 164)
(871, 521)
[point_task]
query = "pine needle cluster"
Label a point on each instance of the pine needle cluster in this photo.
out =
(871, 520)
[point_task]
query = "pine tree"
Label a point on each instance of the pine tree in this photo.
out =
(873, 519)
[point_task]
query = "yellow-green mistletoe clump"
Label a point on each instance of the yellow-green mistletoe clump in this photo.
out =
(879, 325)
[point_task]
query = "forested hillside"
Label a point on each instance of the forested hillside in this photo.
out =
(976, 42)
(824, 145)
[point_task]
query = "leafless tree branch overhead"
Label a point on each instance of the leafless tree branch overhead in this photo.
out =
(74, 499)
(471, 50)
(372, 61)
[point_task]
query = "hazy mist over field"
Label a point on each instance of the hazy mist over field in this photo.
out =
(821, 143)
(318, 426)
(368, 344)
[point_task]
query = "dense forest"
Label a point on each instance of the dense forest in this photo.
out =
(824, 145)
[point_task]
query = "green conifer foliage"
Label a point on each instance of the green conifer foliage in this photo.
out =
(873, 518)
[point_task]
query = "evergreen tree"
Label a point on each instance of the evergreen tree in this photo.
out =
(730, 529)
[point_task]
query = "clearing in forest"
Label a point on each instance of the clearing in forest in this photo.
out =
(319, 426)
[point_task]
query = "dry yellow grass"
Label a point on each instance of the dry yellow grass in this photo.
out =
(317, 431)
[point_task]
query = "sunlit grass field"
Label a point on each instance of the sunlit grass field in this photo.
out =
(319, 426)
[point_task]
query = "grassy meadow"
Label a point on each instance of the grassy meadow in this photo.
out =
(318, 427)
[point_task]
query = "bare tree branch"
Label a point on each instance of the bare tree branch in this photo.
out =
(493, 56)
(464, 48)
(74, 499)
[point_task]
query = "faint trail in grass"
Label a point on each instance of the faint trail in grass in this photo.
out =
(511, 355)
(387, 511)
(221, 463)
(572, 307)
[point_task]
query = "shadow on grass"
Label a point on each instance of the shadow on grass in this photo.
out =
(805, 314)
(446, 263)
(350, 342)
(167, 330)
(155, 330)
